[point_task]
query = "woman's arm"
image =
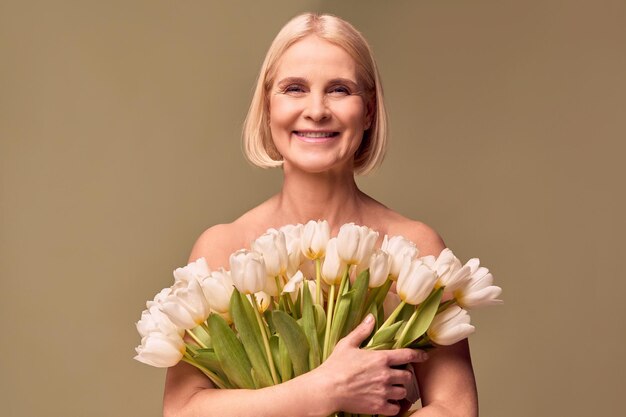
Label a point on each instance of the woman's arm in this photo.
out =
(447, 383)
(446, 380)
(352, 379)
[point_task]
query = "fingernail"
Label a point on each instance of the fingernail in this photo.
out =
(368, 319)
(424, 356)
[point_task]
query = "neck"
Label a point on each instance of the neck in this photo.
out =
(332, 196)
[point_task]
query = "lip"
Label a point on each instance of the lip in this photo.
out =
(315, 136)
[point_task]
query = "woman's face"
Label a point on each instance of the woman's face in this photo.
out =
(317, 108)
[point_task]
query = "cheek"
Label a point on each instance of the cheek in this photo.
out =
(282, 111)
(352, 113)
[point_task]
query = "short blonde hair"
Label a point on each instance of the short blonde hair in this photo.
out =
(258, 146)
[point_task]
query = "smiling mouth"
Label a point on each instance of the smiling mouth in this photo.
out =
(315, 136)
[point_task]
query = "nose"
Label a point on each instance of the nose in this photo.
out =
(316, 108)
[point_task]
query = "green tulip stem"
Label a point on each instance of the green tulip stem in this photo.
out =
(400, 340)
(390, 320)
(342, 286)
(278, 286)
(195, 338)
(329, 319)
(212, 375)
(318, 282)
(266, 343)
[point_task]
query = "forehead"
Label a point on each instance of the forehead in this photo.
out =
(313, 57)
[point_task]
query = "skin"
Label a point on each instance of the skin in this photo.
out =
(317, 118)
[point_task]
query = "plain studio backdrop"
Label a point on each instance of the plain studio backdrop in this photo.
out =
(120, 143)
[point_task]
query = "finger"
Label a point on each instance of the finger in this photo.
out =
(403, 356)
(413, 390)
(396, 393)
(389, 409)
(400, 377)
(360, 332)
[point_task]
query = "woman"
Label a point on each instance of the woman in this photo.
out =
(318, 112)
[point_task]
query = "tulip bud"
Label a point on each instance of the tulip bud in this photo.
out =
(355, 244)
(194, 270)
(400, 250)
(415, 282)
(247, 271)
(450, 326)
(379, 268)
(315, 236)
(186, 305)
(333, 267)
(477, 290)
(272, 245)
(154, 320)
(218, 288)
(160, 350)
(447, 265)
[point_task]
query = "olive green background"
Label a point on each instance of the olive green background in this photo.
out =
(120, 125)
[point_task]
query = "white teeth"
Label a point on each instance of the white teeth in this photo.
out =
(316, 134)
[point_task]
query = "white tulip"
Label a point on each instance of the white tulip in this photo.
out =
(293, 235)
(355, 244)
(379, 266)
(294, 283)
(247, 271)
(477, 290)
(447, 267)
(415, 282)
(272, 245)
(333, 266)
(158, 299)
(186, 306)
(160, 350)
(400, 250)
(263, 300)
(450, 326)
(154, 320)
(315, 236)
(218, 288)
(199, 269)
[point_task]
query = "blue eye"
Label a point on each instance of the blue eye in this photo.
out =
(340, 90)
(293, 89)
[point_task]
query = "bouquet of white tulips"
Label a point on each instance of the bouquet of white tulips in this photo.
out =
(284, 304)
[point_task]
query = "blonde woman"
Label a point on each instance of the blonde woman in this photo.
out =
(318, 113)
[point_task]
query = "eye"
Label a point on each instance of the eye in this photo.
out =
(339, 90)
(294, 89)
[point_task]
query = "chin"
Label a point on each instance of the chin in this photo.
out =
(319, 166)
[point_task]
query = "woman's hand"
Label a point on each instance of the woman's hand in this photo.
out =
(367, 381)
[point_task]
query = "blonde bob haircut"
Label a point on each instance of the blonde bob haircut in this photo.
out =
(258, 145)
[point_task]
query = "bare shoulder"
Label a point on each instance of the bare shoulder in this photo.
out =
(219, 241)
(425, 237)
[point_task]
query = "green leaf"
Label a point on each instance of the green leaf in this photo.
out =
(357, 304)
(309, 328)
(208, 359)
(406, 312)
(248, 329)
(230, 353)
(295, 341)
(203, 335)
(339, 321)
(425, 314)
(320, 320)
(387, 334)
(381, 346)
(284, 361)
